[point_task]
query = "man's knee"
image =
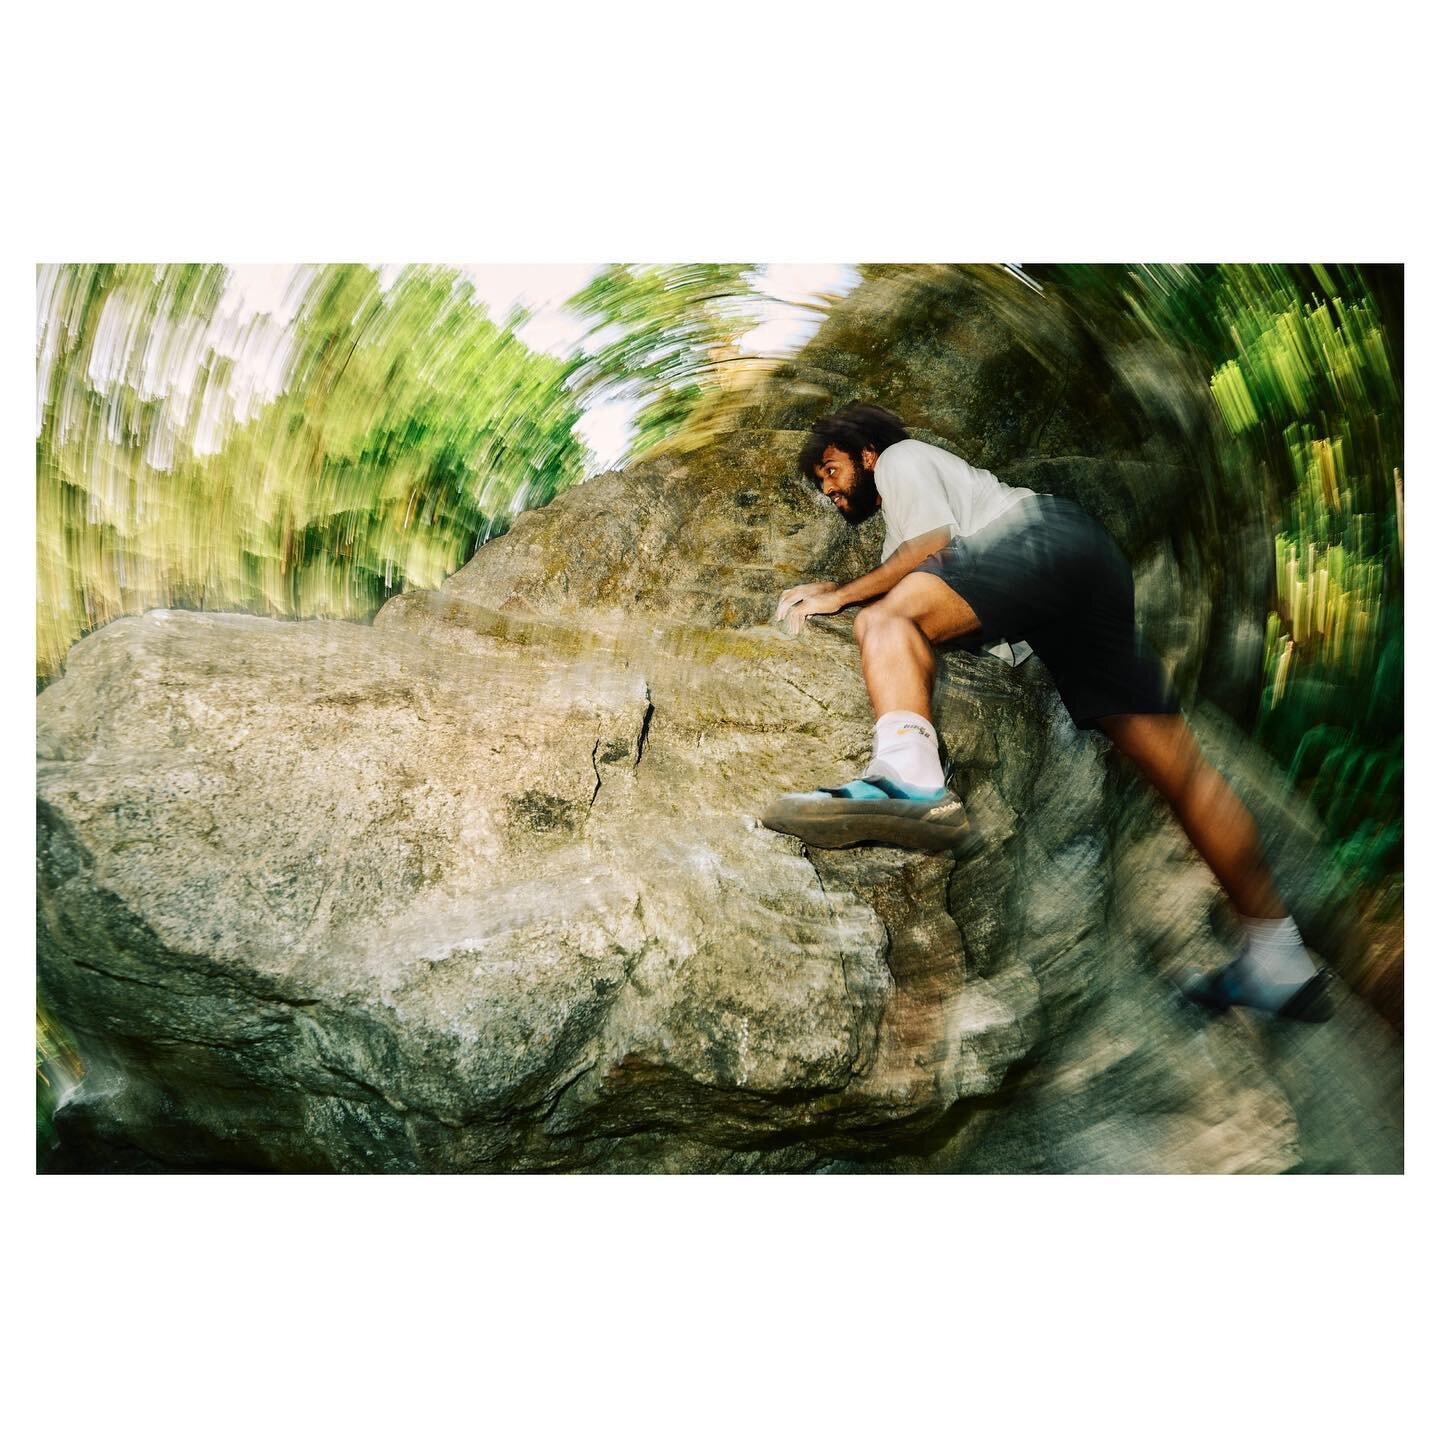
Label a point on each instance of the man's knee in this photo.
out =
(870, 618)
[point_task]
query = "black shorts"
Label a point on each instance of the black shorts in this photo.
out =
(1047, 573)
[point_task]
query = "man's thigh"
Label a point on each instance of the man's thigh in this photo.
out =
(927, 600)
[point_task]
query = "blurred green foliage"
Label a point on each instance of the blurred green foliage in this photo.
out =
(1305, 383)
(406, 430)
(664, 335)
(1311, 393)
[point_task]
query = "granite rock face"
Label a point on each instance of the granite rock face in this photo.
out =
(333, 897)
(481, 887)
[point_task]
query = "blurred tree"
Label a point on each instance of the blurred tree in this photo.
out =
(1308, 415)
(663, 335)
(409, 429)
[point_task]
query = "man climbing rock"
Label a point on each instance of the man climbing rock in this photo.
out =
(970, 560)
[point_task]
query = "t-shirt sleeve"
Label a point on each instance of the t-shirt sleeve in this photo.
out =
(912, 495)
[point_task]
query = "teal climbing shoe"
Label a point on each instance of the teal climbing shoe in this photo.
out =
(874, 810)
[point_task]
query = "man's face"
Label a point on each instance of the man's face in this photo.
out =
(850, 489)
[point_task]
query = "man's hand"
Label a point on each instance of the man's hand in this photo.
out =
(819, 598)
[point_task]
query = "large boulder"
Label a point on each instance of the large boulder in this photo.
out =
(481, 887)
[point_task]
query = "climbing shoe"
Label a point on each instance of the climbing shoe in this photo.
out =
(1220, 990)
(874, 810)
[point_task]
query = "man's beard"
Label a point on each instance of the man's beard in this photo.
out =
(864, 500)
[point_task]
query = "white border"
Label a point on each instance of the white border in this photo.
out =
(801, 134)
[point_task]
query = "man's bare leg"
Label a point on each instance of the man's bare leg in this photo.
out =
(1274, 972)
(902, 798)
(898, 662)
(896, 635)
(1163, 748)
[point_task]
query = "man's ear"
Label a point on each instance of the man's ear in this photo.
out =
(868, 458)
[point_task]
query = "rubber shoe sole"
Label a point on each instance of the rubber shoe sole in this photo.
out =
(836, 822)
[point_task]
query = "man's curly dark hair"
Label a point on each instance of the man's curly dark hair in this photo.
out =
(853, 428)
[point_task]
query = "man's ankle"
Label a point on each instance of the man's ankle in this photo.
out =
(1274, 961)
(907, 745)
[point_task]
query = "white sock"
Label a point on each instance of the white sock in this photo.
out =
(907, 749)
(1275, 962)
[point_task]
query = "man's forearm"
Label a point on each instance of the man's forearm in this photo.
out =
(885, 577)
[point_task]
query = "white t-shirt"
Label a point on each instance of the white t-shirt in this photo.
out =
(924, 488)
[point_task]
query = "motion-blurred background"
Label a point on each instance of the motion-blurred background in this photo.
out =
(299, 441)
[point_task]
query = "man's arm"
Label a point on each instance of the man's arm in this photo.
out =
(826, 597)
(884, 578)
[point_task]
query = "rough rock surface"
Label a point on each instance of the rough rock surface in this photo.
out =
(482, 888)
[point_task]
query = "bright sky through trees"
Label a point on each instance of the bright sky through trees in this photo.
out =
(543, 289)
